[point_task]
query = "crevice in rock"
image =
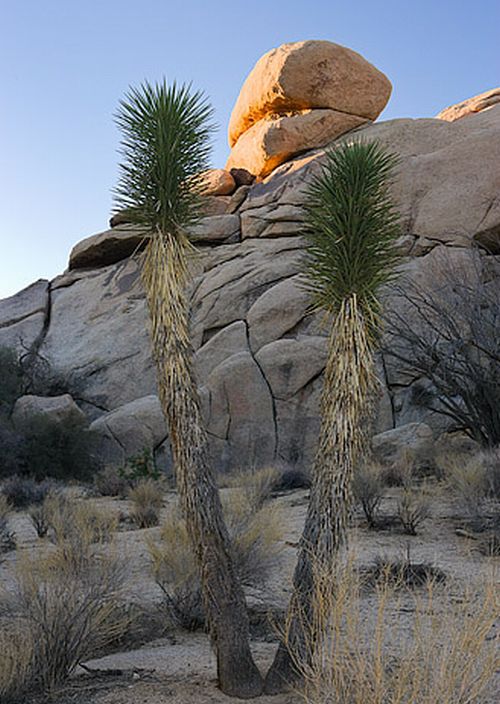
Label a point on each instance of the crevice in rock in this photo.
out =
(273, 401)
(32, 356)
(80, 399)
(117, 440)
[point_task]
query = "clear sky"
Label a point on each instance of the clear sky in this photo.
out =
(64, 64)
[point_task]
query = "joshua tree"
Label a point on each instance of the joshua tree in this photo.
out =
(165, 145)
(350, 226)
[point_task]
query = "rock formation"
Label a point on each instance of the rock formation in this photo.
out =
(259, 353)
(471, 106)
(300, 96)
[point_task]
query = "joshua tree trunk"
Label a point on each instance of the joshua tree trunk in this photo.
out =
(348, 389)
(165, 277)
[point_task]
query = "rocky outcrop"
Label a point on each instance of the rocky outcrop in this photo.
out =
(300, 96)
(259, 352)
(23, 317)
(470, 106)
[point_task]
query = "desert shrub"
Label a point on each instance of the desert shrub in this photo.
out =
(489, 544)
(446, 334)
(379, 652)
(255, 535)
(402, 572)
(58, 449)
(291, 479)
(175, 572)
(368, 490)
(140, 467)
(401, 471)
(11, 448)
(69, 602)
(11, 379)
(41, 515)
(76, 527)
(475, 483)
(147, 500)
(25, 491)
(109, 481)
(7, 538)
(413, 509)
(491, 463)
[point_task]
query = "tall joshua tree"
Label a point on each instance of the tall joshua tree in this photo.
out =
(165, 146)
(351, 227)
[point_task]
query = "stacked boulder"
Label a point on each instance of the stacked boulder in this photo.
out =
(301, 96)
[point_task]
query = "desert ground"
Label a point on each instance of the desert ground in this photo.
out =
(157, 663)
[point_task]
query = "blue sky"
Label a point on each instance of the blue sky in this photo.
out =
(64, 64)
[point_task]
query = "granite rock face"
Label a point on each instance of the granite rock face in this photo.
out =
(259, 352)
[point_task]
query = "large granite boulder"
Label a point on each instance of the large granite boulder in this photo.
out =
(58, 409)
(309, 74)
(130, 429)
(300, 96)
(259, 351)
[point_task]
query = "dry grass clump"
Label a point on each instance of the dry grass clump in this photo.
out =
(413, 508)
(16, 664)
(257, 484)
(147, 501)
(255, 534)
(368, 490)
(67, 603)
(110, 481)
(40, 518)
(405, 650)
(475, 482)
(401, 471)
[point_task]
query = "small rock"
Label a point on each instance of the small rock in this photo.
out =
(242, 177)
(218, 182)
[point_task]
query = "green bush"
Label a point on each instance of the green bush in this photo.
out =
(58, 449)
(140, 467)
(11, 380)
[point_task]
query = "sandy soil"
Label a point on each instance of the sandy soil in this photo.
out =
(179, 667)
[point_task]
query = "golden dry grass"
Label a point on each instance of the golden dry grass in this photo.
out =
(147, 500)
(65, 604)
(446, 653)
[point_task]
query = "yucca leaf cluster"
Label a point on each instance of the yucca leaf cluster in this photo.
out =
(165, 146)
(351, 226)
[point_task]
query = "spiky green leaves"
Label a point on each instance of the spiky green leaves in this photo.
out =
(351, 226)
(165, 145)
